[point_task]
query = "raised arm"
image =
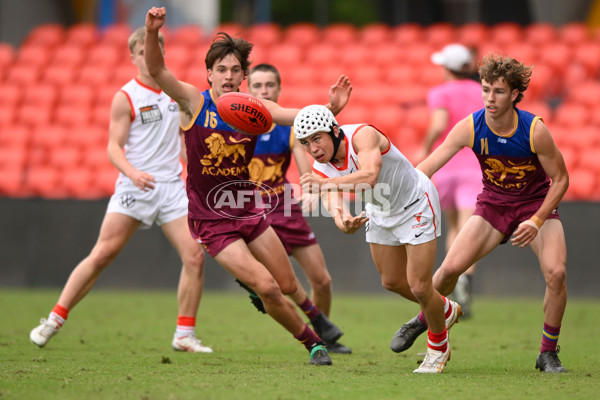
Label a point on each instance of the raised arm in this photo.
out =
(459, 137)
(187, 96)
(339, 94)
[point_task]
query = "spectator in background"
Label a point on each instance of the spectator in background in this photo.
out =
(243, 242)
(144, 144)
(459, 181)
(525, 178)
(269, 166)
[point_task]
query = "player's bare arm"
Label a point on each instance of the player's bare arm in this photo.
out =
(437, 124)
(118, 134)
(187, 96)
(339, 94)
(340, 211)
(458, 137)
(554, 165)
(368, 143)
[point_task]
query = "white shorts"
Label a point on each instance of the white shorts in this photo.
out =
(419, 223)
(165, 203)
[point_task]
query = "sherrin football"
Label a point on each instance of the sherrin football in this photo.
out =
(244, 113)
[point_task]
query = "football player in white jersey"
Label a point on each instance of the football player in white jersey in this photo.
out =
(402, 213)
(145, 146)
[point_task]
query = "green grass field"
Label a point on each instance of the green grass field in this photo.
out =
(116, 345)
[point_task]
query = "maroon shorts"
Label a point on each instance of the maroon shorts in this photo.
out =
(507, 217)
(293, 230)
(215, 235)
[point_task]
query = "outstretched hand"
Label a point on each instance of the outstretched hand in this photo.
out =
(348, 223)
(339, 94)
(155, 18)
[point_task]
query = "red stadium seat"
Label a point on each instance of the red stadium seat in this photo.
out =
(8, 114)
(472, 34)
(116, 35)
(556, 56)
(33, 56)
(264, 35)
(125, 72)
(440, 34)
(388, 119)
(408, 34)
(47, 35)
(76, 181)
(231, 28)
(50, 137)
(286, 55)
(77, 94)
(83, 34)
(43, 182)
(339, 34)
(375, 34)
(582, 184)
(418, 118)
(540, 33)
(360, 54)
(105, 56)
(43, 95)
(506, 33)
(189, 36)
(95, 75)
(388, 55)
(7, 55)
(572, 116)
(11, 182)
(574, 33)
(23, 75)
(65, 157)
(302, 34)
(59, 75)
(11, 95)
(588, 56)
(69, 55)
(71, 115)
(35, 116)
(401, 74)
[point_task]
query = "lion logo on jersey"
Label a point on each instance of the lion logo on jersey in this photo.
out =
(261, 172)
(220, 149)
(497, 167)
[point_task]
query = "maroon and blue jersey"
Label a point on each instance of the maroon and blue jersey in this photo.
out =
(510, 167)
(272, 157)
(218, 183)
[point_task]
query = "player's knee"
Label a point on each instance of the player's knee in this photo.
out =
(193, 262)
(393, 285)
(322, 284)
(268, 291)
(556, 277)
(103, 254)
(288, 286)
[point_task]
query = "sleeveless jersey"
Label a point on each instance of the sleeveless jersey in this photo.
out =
(153, 145)
(271, 161)
(511, 170)
(398, 184)
(218, 183)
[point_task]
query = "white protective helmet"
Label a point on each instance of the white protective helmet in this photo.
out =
(312, 119)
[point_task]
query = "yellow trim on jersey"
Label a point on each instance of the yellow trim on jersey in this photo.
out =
(196, 113)
(472, 124)
(292, 138)
(531, 128)
(514, 127)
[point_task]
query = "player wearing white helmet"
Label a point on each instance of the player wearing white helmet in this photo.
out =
(402, 213)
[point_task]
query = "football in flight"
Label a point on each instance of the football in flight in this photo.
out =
(244, 113)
